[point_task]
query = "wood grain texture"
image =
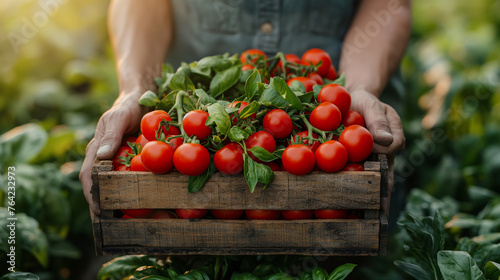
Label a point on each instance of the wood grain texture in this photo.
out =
(318, 190)
(329, 237)
(384, 234)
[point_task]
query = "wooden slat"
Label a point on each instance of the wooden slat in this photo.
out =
(384, 234)
(136, 250)
(372, 166)
(318, 190)
(384, 172)
(217, 235)
(96, 230)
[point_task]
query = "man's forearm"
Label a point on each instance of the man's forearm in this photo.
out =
(140, 33)
(375, 44)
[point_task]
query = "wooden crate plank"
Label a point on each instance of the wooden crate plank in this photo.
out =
(96, 230)
(384, 172)
(135, 250)
(342, 190)
(203, 233)
(384, 234)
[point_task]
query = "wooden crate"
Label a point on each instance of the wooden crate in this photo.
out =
(318, 190)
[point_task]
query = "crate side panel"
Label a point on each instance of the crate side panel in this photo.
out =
(312, 234)
(342, 190)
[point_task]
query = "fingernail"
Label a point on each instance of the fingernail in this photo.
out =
(383, 133)
(104, 150)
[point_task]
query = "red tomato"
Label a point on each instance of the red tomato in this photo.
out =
(175, 142)
(332, 73)
(330, 214)
(163, 214)
(302, 136)
(326, 117)
(157, 157)
(151, 121)
(337, 95)
(191, 213)
(229, 159)
(331, 156)
(136, 164)
(224, 214)
(141, 140)
(263, 214)
(137, 213)
(246, 67)
(123, 151)
(358, 141)
(278, 123)
(191, 159)
(289, 58)
(122, 167)
(297, 214)
(251, 56)
(194, 124)
(314, 57)
(273, 165)
(354, 167)
(243, 104)
(316, 78)
(128, 139)
(127, 217)
(307, 82)
(353, 117)
(298, 159)
(260, 139)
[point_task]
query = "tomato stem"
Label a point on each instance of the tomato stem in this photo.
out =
(180, 110)
(311, 128)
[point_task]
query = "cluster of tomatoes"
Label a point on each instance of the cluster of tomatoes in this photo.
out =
(223, 214)
(306, 125)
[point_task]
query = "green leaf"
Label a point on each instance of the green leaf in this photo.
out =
(298, 87)
(237, 134)
(341, 272)
(340, 80)
(149, 99)
(21, 144)
(20, 276)
(204, 97)
(316, 89)
(262, 154)
(319, 273)
(492, 271)
(271, 97)
(252, 84)
(125, 266)
(256, 172)
(458, 265)
(305, 97)
(218, 114)
(155, 277)
(224, 80)
(180, 81)
(278, 276)
(252, 108)
(195, 183)
(244, 276)
(280, 86)
(263, 269)
(414, 270)
(250, 172)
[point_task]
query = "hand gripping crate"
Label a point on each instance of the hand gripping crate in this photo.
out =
(361, 190)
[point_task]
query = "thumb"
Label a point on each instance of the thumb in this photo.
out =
(110, 142)
(378, 125)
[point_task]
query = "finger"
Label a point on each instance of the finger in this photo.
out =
(85, 177)
(396, 129)
(378, 125)
(110, 141)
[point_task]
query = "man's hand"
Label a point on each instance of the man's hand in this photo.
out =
(123, 118)
(385, 125)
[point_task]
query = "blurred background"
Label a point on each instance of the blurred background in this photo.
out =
(57, 77)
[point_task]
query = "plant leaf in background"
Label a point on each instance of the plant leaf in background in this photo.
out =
(492, 271)
(125, 266)
(458, 265)
(21, 144)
